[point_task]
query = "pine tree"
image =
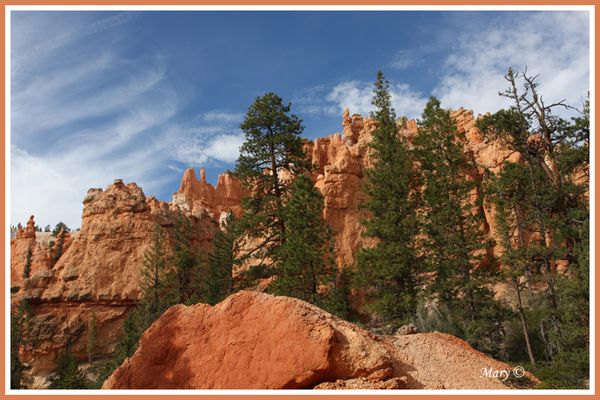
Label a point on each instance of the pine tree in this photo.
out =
(550, 208)
(16, 366)
(27, 268)
(304, 260)
(270, 155)
(134, 326)
(337, 298)
(390, 269)
(510, 193)
(67, 374)
(185, 273)
(60, 226)
(222, 260)
(157, 296)
(453, 236)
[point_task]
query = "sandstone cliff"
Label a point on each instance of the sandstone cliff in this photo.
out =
(228, 347)
(197, 196)
(98, 272)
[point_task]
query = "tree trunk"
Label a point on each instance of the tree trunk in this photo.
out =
(276, 188)
(523, 321)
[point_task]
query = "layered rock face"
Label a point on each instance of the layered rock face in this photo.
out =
(253, 340)
(97, 273)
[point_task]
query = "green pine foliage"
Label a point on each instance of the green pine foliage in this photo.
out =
(272, 151)
(67, 374)
(453, 238)
(542, 215)
(157, 296)
(185, 272)
(390, 270)
(337, 299)
(60, 226)
(134, 326)
(222, 260)
(27, 268)
(19, 332)
(304, 267)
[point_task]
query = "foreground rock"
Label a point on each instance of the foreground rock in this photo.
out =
(254, 340)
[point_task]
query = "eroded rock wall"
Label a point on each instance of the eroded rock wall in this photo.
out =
(97, 273)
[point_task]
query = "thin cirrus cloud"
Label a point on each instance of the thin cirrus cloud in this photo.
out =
(85, 109)
(81, 119)
(554, 45)
(356, 95)
(213, 138)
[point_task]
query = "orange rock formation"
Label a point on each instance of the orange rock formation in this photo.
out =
(98, 272)
(198, 196)
(228, 347)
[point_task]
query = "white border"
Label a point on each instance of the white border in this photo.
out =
(7, 199)
(411, 392)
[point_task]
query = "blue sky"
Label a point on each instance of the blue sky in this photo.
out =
(143, 95)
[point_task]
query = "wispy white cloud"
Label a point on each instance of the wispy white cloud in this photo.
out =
(552, 44)
(222, 116)
(404, 59)
(83, 113)
(37, 36)
(214, 138)
(357, 95)
(84, 121)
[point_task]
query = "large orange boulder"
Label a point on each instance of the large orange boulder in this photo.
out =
(249, 341)
(254, 340)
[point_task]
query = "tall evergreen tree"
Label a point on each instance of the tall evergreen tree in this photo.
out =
(390, 268)
(453, 236)
(184, 274)
(269, 157)
(304, 261)
(222, 260)
(511, 195)
(156, 294)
